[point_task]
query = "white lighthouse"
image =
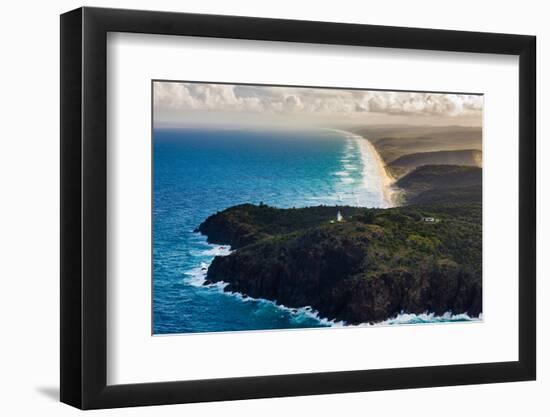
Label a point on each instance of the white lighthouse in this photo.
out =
(339, 217)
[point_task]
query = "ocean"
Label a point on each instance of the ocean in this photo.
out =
(197, 172)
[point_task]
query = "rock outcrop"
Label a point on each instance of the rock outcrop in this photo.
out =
(367, 268)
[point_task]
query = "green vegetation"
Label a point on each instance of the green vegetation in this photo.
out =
(371, 266)
(376, 263)
(247, 223)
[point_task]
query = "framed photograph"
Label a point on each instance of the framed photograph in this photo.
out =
(257, 208)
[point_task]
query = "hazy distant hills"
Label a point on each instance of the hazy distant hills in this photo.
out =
(406, 163)
(412, 131)
(396, 141)
(431, 184)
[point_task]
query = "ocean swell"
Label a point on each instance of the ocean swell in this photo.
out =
(197, 278)
(362, 180)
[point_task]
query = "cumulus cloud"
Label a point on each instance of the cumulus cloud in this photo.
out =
(423, 103)
(177, 96)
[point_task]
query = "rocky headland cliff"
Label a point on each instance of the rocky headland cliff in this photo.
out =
(360, 265)
(371, 265)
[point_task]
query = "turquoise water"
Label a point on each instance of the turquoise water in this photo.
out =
(198, 172)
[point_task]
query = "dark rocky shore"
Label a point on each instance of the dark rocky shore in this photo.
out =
(371, 266)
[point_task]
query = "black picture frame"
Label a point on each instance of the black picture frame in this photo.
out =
(84, 207)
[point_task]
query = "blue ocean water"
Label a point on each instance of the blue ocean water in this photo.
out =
(197, 172)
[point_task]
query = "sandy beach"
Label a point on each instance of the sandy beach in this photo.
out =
(390, 193)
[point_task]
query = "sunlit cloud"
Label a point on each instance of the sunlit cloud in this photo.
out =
(309, 103)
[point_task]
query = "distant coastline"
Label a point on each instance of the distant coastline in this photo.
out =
(283, 255)
(293, 207)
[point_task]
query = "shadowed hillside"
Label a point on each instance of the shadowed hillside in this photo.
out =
(406, 163)
(430, 184)
(396, 141)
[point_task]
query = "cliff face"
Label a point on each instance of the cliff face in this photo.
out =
(367, 268)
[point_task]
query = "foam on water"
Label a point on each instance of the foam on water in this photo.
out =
(191, 184)
(217, 250)
(424, 318)
(197, 277)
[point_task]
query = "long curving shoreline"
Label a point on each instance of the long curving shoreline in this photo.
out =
(387, 181)
(273, 275)
(389, 192)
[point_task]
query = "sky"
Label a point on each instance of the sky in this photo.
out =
(178, 104)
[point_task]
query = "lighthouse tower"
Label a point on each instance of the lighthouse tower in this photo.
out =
(339, 217)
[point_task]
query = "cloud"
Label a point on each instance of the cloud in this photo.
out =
(309, 101)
